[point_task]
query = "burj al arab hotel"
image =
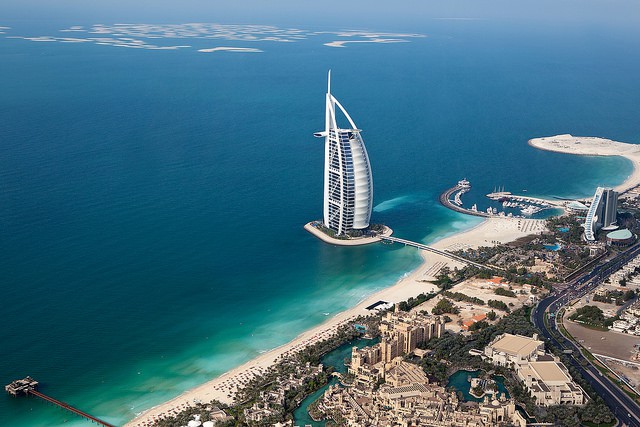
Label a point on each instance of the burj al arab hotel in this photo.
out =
(348, 183)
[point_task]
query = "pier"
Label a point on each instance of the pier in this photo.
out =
(28, 386)
(445, 200)
(432, 249)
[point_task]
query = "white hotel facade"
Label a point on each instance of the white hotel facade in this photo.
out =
(348, 183)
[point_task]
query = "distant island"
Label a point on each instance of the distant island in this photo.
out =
(594, 146)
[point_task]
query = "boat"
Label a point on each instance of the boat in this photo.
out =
(463, 183)
(499, 194)
(530, 210)
(474, 208)
(456, 198)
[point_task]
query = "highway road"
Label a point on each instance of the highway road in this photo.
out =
(624, 408)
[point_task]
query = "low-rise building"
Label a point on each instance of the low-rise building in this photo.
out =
(516, 350)
(546, 378)
(620, 326)
(549, 383)
(477, 318)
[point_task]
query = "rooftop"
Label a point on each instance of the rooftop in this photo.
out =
(516, 345)
(622, 234)
(549, 372)
(575, 205)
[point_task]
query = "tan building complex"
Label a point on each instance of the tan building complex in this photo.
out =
(513, 350)
(549, 382)
(546, 378)
(388, 391)
(402, 333)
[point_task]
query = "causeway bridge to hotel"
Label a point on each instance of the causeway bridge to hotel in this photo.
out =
(424, 247)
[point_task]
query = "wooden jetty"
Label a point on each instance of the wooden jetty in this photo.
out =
(28, 386)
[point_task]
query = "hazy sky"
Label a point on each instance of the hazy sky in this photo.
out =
(396, 14)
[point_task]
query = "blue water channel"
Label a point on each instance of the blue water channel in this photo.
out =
(336, 360)
(460, 382)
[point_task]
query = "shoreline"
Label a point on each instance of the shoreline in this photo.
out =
(490, 231)
(483, 234)
(358, 241)
(594, 146)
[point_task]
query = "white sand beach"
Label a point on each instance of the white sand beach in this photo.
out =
(223, 388)
(592, 146)
(489, 232)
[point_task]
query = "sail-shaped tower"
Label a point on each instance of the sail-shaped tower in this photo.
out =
(348, 183)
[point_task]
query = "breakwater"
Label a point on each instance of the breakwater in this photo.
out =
(445, 200)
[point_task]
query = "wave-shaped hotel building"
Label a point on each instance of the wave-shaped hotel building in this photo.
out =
(348, 183)
(602, 213)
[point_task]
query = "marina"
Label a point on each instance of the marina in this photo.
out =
(514, 206)
(461, 187)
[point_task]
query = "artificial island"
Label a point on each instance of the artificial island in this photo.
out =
(348, 183)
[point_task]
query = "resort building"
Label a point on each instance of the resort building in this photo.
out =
(402, 333)
(395, 392)
(602, 213)
(348, 183)
(513, 350)
(410, 330)
(546, 378)
(621, 237)
(549, 382)
(407, 398)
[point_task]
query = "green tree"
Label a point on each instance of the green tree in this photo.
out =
(445, 306)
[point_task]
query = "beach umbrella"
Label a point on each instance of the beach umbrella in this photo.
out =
(207, 424)
(194, 423)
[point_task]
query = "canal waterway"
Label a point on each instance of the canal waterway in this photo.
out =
(336, 360)
(460, 382)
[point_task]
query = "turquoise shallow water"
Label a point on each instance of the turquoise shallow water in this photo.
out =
(152, 202)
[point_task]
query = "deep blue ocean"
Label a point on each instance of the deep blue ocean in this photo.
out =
(152, 201)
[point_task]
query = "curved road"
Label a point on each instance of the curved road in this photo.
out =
(624, 408)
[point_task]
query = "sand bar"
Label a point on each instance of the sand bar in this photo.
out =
(592, 146)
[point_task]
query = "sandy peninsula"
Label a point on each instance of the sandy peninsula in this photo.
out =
(592, 146)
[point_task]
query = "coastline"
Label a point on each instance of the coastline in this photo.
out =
(359, 241)
(489, 232)
(594, 146)
(223, 387)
